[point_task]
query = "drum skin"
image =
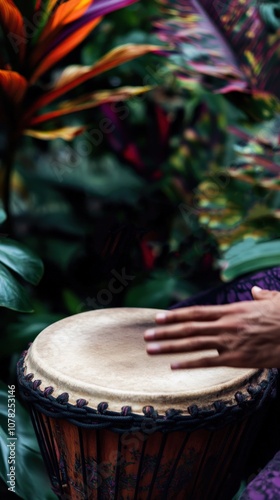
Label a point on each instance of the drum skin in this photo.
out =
(114, 423)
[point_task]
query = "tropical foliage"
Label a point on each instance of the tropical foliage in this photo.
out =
(232, 49)
(227, 47)
(36, 38)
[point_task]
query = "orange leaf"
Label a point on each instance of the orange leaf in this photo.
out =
(89, 101)
(64, 14)
(73, 76)
(63, 49)
(12, 22)
(13, 84)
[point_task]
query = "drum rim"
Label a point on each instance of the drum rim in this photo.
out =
(83, 415)
(95, 391)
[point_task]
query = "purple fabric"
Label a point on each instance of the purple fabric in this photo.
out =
(237, 290)
(266, 485)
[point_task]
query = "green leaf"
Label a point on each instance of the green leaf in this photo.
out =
(12, 294)
(19, 334)
(3, 215)
(31, 478)
(156, 292)
(248, 256)
(21, 260)
(270, 14)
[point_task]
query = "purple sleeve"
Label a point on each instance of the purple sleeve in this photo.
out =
(237, 290)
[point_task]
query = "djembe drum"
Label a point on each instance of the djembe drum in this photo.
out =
(114, 423)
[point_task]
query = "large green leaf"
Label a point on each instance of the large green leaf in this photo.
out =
(225, 45)
(12, 294)
(21, 260)
(248, 256)
(31, 479)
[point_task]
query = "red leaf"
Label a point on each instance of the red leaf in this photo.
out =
(69, 26)
(76, 75)
(63, 15)
(88, 101)
(62, 49)
(12, 23)
(13, 85)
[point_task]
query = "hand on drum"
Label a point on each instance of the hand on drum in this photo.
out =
(246, 334)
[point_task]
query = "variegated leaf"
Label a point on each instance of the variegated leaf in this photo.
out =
(71, 78)
(55, 21)
(69, 35)
(224, 44)
(89, 101)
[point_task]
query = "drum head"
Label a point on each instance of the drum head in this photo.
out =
(100, 356)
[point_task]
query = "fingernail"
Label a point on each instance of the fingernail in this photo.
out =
(257, 288)
(161, 316)
(153, 348)
(149, 334)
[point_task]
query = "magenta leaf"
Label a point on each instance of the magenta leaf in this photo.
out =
(223, 44)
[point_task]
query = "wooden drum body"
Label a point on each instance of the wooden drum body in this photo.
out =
(116, 424)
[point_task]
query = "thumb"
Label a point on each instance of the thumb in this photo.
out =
(260, 294)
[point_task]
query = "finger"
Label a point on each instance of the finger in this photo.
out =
(200, 344)
(192, 329)
(260, 294)
(229, 359)
(199, 313)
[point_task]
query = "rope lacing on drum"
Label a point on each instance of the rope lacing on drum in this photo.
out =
(102, 408)
(217, 415)
(48, 391)
(63, 398)
(126, 410)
